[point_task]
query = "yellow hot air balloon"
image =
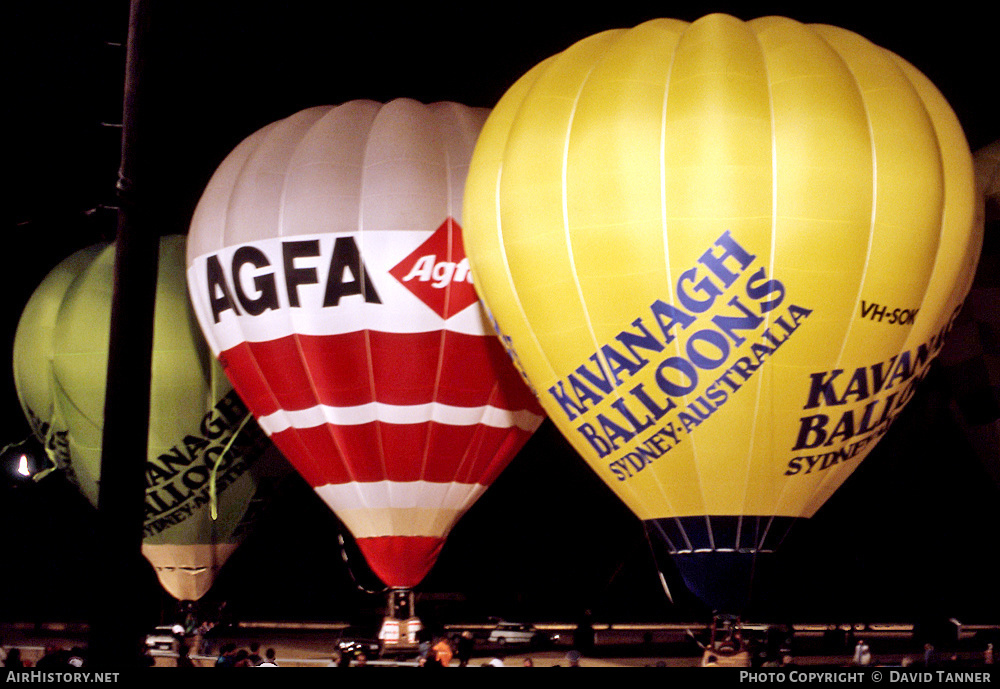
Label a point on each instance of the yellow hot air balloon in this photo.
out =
(723, 253)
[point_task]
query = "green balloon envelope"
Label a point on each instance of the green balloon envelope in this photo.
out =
(198, 426)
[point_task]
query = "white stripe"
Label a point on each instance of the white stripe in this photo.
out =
(487, 415)
(400, 495)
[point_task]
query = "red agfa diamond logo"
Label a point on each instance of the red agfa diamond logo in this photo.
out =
(437, 271)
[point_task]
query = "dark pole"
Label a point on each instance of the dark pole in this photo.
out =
(117, 625)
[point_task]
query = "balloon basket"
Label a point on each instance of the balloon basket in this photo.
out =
(727, 647)
(399, 634)
(401, 629)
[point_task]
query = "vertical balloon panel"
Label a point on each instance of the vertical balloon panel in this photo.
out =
(328, 272)
(723, 253)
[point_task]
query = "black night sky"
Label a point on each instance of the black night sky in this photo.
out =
(913, 533)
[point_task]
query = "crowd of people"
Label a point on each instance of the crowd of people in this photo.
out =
(432, 652)
(438, 652)
(54, 657)
(448, 651)
(233, 656)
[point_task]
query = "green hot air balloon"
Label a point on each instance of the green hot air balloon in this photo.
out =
(209, 467)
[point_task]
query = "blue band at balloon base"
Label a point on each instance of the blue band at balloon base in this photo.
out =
(718, 557)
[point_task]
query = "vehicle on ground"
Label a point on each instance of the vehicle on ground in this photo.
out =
(353, 646)
(519, 633)
(163, 637)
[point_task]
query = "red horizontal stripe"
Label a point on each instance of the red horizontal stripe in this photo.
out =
(380, 451)
(301, 371)
(401, 561)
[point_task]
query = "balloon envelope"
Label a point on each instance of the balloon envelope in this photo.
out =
(723, 253)
(971, 357)
(326, 267)
(60, 371)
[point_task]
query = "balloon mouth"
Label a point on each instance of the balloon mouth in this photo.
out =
(187, 572)
(718, 557)
(401, 561)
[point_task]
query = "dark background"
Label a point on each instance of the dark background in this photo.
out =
(911, 536)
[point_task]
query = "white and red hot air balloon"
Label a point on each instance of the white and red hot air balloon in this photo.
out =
(326, 267)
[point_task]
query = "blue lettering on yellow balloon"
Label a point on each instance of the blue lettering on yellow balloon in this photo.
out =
(738, 332)
(850, 410)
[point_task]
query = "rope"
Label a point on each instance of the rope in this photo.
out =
(212, 493)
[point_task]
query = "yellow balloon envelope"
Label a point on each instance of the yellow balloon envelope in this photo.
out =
(723, 253)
